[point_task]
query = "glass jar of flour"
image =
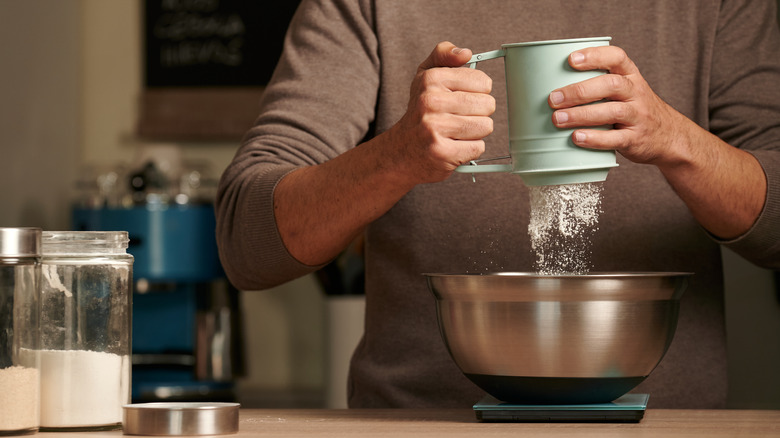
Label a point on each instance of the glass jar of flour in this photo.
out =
(86, 294)
(19, 299)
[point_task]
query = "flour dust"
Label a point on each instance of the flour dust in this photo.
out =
(563, 220)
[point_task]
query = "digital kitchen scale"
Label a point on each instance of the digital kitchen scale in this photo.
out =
(629, 408)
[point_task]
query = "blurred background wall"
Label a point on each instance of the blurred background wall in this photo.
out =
(70, 86)
(71, 81)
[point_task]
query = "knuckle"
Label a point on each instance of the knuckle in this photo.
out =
(476, 149)
(428, 129)
(467, 151)
(431, 122)
(616, 54)
(443, 45)
(428, 102)
(489, 122)
(622, 111)
(429, 77)
(487, 125)
(623, 140)
(615, 83)
(491, 105)
(580, 90)
(484, 127)
(621, 55)
(485, 83)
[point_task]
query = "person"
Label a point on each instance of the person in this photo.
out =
(344, 146)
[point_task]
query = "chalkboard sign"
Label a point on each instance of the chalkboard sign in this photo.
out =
(206, 43)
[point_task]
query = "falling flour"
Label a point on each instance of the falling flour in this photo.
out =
(563, 219)
(82, 388)
(18, 399)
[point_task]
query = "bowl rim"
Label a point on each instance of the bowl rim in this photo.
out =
(532, 287)
(594, 274)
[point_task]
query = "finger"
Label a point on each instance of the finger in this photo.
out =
(455, 79)
(446, 54)
(454, 152)
(473, 104)
(611, 139)
(467, 150)
(469, 128)
(609, 86)
(607, 113)
(459, 127)
(459, 103)
(610, 58)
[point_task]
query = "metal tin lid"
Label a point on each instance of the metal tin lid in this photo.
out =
(169, 419)
(20, 242)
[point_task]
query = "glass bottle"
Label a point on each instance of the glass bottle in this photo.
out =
(86, 295)
(19, 307)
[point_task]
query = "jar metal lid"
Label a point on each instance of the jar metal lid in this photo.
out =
(20, 242)
(183, 418)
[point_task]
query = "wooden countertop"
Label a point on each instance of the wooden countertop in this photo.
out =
(462, 422)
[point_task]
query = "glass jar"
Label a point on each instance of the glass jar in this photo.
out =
(86, 295)
(19, 300)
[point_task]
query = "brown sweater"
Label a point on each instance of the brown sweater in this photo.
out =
(345, 75)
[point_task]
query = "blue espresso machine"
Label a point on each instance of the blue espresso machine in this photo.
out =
(186, 327)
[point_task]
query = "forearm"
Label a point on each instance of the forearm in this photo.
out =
(320, 209)
(724, 187)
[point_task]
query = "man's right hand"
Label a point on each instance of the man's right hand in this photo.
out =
(447, 117)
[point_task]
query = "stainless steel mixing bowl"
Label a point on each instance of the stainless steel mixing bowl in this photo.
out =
(545, 339)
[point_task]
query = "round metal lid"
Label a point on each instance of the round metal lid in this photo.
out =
(187, 418)
(20, 242)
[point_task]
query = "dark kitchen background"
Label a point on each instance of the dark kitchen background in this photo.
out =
(87, 85)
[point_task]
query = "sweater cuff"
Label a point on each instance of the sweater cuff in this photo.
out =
(761, 244)
(277, 266)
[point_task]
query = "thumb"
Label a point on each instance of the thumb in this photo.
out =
(446, 54)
